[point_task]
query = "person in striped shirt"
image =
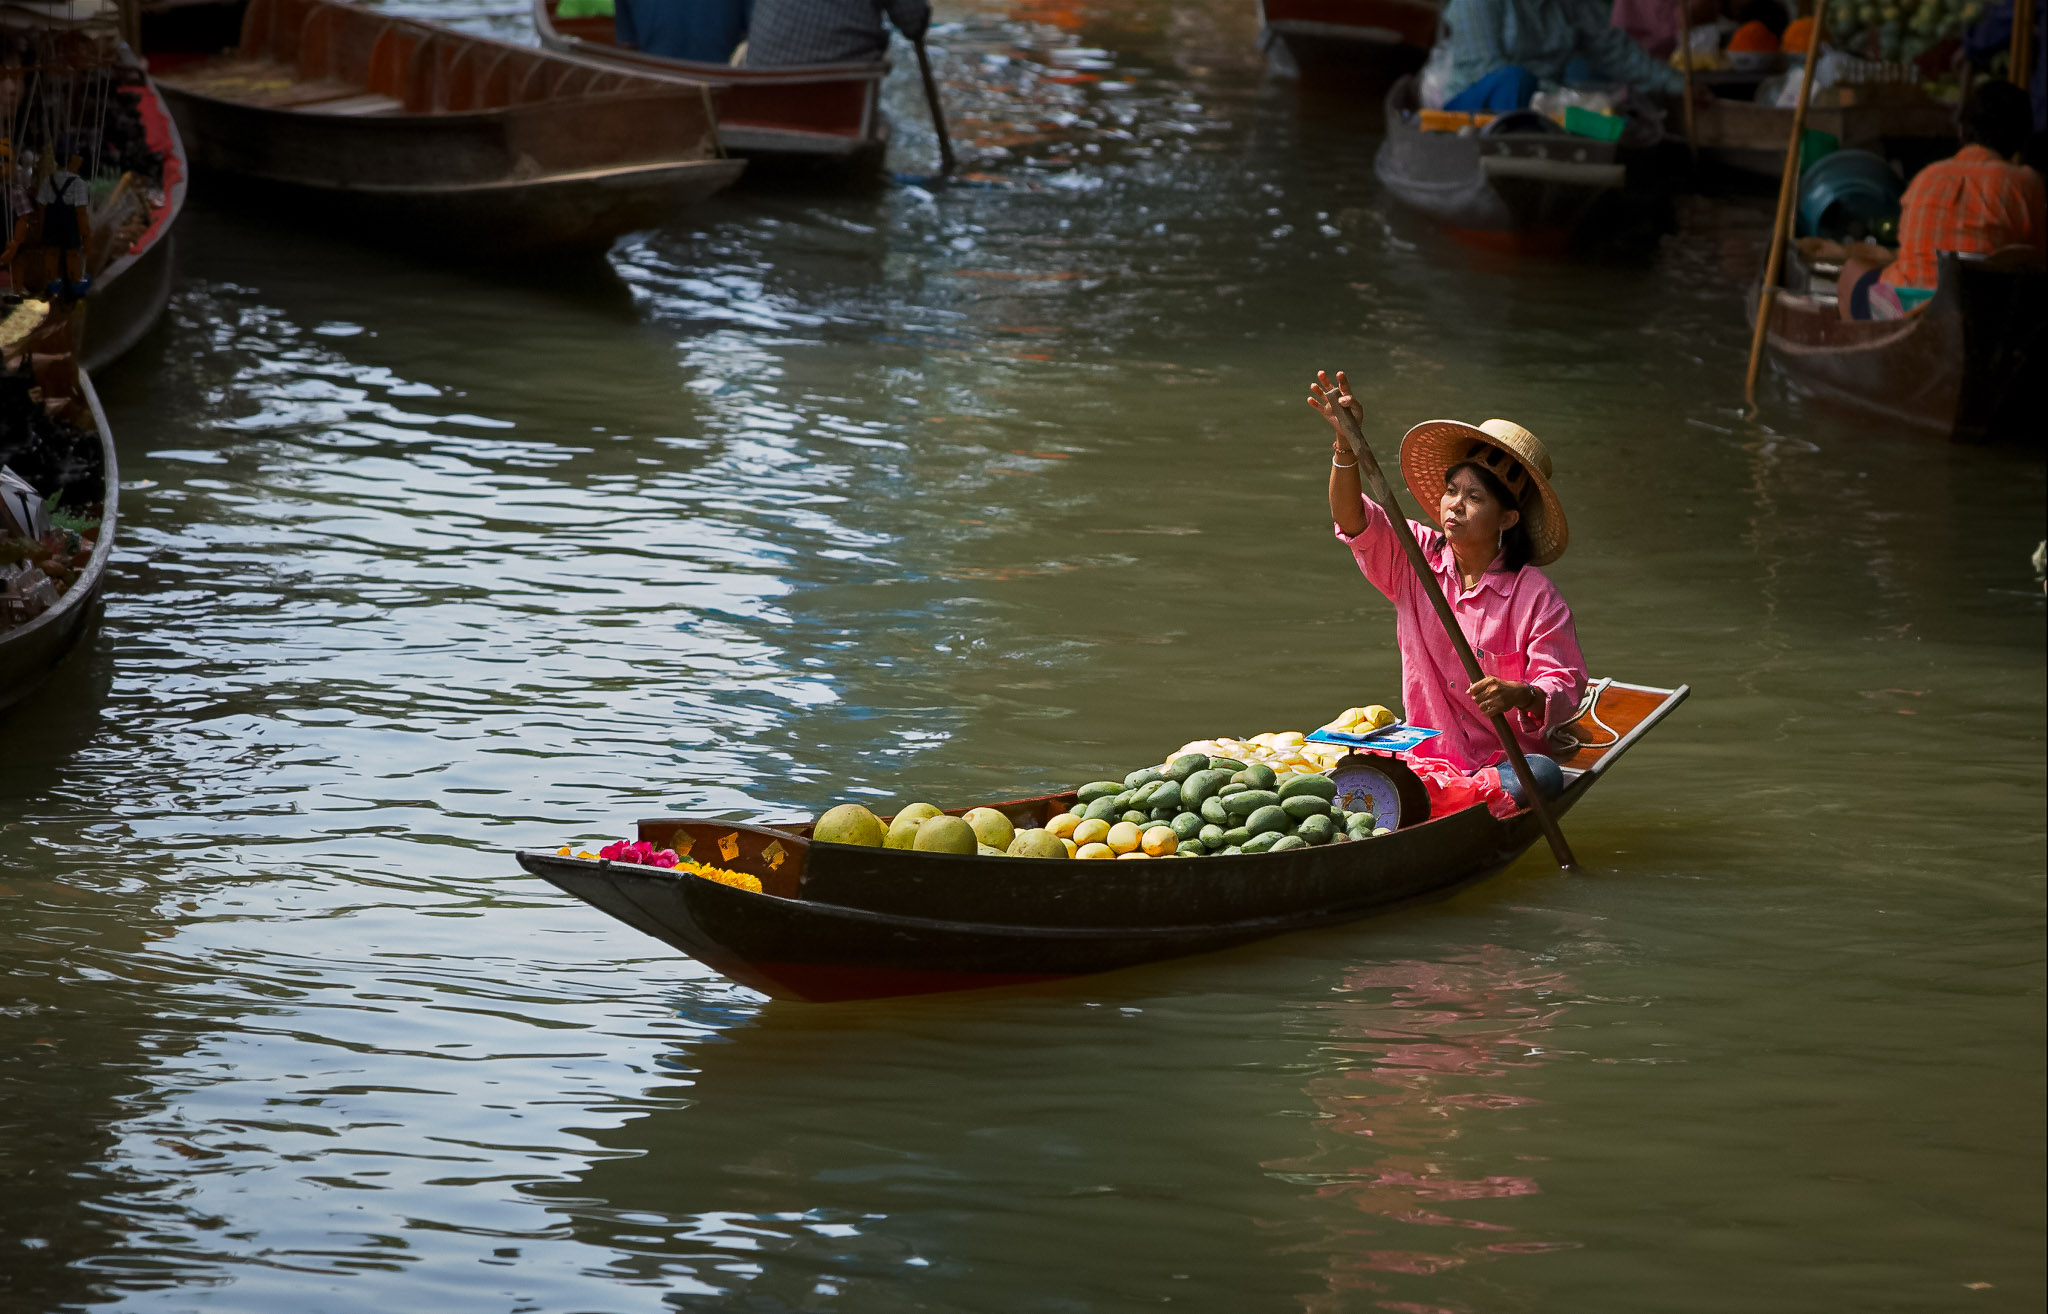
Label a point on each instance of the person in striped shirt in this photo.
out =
(1978, 201)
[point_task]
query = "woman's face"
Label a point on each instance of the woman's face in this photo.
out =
(1470, 515)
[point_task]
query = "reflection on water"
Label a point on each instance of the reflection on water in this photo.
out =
(951, 492)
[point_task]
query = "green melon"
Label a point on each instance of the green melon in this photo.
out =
(850, 823)
(945, 835)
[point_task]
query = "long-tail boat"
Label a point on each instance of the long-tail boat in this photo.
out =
(1382, 38)
(442, 141)
(839, 922)
(68, 72)
(808, 112)
(1970, 365)
(1512, 184)
(1749, 139)
(37, 347)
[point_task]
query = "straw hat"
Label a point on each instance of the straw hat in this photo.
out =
(1514, 455)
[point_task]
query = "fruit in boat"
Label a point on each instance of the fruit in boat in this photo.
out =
(1092, 831)
(945, 835)
(1268, 818)
(1186, 765)
(1233, 789)
(1303, 806)
(1258, 775)
(1072, 848)
(1135, 817)
(1236, 837)
(1193, 848)
(1159, 841)
(1037, 844)
(850, 823)
(1317, 830)
(1260, 843)
(1134, 853)
(1167, 794)
(1095, 789)
(1213, 810)
(989, 851)
(1201, 786)
(1286, 842)
(1243, 805)
(991, 827)
(1229, 764)
(1186, 826)
(1211, 835)
(1104, 808)
(903, 829)
(1143, 776)
(1321, 787)
(1123, 837)
(1094, 852)
(1063, 825)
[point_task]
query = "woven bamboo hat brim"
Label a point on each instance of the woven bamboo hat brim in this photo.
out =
(1516, 456)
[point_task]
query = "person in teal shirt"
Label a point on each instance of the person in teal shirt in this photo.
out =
(706, 31)
(1501, 50)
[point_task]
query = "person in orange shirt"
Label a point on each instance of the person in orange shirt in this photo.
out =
(1979, 200)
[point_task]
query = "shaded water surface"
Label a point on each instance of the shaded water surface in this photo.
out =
(950, 493)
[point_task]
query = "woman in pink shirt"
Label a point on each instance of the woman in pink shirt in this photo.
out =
(1488, 487)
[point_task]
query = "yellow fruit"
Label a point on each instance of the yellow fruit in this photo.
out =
(991, 827)
(903, 829)
(1380, 716)
(850, 823)
(1063, 825)
(1072, 848)
(1095, 852)
(945, 835)
(1134, 853)
(1037, 844)
(1092, 831)
(1124, 836)
(1160, 841)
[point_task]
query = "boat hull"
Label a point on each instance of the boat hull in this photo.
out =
(128, 297)
(819, 114)
(836, 922)
(1970, 366)
(29, 653)
(1378, 39)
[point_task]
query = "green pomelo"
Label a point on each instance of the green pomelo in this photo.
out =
(850, 823)
(903, 829)
(988, 851)
(945, 835)
(1037, 844)
(991, 827)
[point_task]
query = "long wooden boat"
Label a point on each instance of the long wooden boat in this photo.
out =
(128, 258)
(1971, 365)
(837, 922)
(441, 141)
(1526, 192)
(810, 112)
(131, 286)
(30, 651)
(1378, 39)
(1749, 139)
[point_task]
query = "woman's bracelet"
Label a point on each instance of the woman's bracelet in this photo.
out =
(1340, 465)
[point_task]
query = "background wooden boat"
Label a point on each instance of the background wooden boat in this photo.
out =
(810, 112)
(30, 652)
(443, 141)
(129, 292)
(840, 922)
(1747, 139)
(1371, 40)
(1970, 365)
(1527, 192)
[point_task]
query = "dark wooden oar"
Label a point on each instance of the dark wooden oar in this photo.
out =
(931, 98)
(1376, 486)
(1781, 224)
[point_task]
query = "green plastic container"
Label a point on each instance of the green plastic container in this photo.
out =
(1600, 127)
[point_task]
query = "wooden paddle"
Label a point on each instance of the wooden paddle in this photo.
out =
(1376, 487)
(1788, 188)
(931, 98)
(1684, 8)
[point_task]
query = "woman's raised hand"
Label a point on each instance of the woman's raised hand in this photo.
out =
(1334, 402)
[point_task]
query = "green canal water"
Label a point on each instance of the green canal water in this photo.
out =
(903, 494)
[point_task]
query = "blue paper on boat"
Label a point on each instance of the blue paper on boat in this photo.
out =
(1396, 738)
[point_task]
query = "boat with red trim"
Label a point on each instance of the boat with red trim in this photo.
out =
(842, 922)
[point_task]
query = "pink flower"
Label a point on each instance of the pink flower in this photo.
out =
(664, 860)
(610, 852)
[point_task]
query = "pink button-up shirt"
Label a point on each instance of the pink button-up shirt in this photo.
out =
(1518, 627)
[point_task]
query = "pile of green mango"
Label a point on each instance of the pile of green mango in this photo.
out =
(1217, 805)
